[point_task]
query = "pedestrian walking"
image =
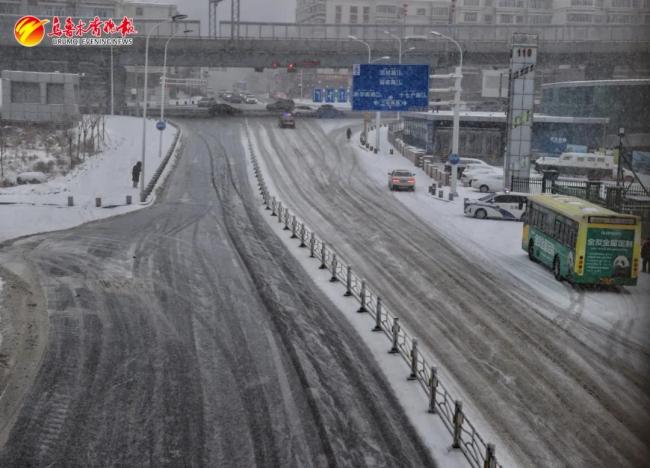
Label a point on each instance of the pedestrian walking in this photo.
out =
(348, 132)
(645, 255)
(135, 173)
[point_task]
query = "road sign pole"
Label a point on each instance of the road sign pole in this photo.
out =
(377, 123)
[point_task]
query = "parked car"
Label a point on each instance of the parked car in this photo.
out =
(399, 179)
(283, 105)
(488, 182)
(234, 98)
(223, 109)
(474, 170)
(463, 163)
(250, 100)
(33, 177)
(328, 111)
(206, 102)
(499, 205)
(287, 121)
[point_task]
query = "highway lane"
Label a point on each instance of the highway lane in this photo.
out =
(557, 397)
(186, 335)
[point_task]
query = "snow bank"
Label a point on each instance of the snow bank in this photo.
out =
(29, 209)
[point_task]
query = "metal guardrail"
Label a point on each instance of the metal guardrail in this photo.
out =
(161, 167)
(462, 33)
(465, 436)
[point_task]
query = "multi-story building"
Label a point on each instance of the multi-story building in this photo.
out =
(481, 12)
(372, 11)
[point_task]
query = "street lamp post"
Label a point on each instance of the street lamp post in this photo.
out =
(378, 114)
(458, 75)
(173, 19)
(162, 88)
(399, 58)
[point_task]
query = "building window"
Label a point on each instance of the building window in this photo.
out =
(470, 17)
(583, 2)
(55, 94)
(511, 3)
(387, 10)
(471, 2)
(438, 11)
(138, 11)
(541, 4)
(338, 13)
(505, 19)
(541, 19)
(487, 19)
(366, 14)
(620, 3)
(489, 3)
(599, 3)
(520, 19)
(578, 18)
(421, 11)
(621, 19)
(9, 8)
(25, 92)
(354, 14)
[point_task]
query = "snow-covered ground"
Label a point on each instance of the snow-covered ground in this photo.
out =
(498, 243)
(413, 400)
(28, 209)
(308, 102)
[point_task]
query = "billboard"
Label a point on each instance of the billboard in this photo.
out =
(521, 91)
(381, 87)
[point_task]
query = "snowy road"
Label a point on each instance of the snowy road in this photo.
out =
(569, 394)
(186, 335)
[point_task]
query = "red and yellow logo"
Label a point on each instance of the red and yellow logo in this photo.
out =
(30, 31)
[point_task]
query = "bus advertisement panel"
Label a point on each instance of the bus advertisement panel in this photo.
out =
(609, 253)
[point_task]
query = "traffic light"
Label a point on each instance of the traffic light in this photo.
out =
(291, 68)
(274, 65)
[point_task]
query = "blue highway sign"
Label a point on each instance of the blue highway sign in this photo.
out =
(381, 87)
(318, 95)
(329, 95)
(160, 125)
(343, 95)
(454, 159)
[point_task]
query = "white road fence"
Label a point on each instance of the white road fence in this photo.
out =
(465, 437)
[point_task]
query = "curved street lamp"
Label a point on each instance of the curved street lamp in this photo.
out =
(162, 87)
(385, 57)
(456, 128)
(173, 19)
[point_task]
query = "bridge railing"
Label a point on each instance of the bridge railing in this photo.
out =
(465, 33)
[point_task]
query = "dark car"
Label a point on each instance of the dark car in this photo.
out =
(224, 109)
(283, 105)
(235, 99)
(287, 120)
(206, 102)
(328, 111)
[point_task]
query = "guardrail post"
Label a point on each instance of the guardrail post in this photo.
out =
(378, 316)
(302, 235)
(266, 199)
(490, 457)
(433, 389)
(362, 297)
(458, 423)
(334, 279)
(323, 252)
(294, 225)
(273, 207)
(280, 212)
(286, 219)
(312, 244)
(414, 361)
(395, 330)
(348, 281)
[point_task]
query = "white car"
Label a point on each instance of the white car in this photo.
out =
(500, 205)
(475, 170)
(488, 182)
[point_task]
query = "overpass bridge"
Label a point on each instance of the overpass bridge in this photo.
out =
(260, 45)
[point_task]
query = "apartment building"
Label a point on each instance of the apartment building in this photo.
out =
(373, 11)
(88, 9)
(480, 12)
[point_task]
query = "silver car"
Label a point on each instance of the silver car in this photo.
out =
(401, 179)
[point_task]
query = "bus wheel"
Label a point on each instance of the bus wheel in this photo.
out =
(480, 214)
(531, 251)
(556, 268)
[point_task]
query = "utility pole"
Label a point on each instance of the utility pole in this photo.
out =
(213, 22)
(619, 169)
(234, 19)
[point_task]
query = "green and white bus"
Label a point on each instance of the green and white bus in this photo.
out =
(582, 242)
